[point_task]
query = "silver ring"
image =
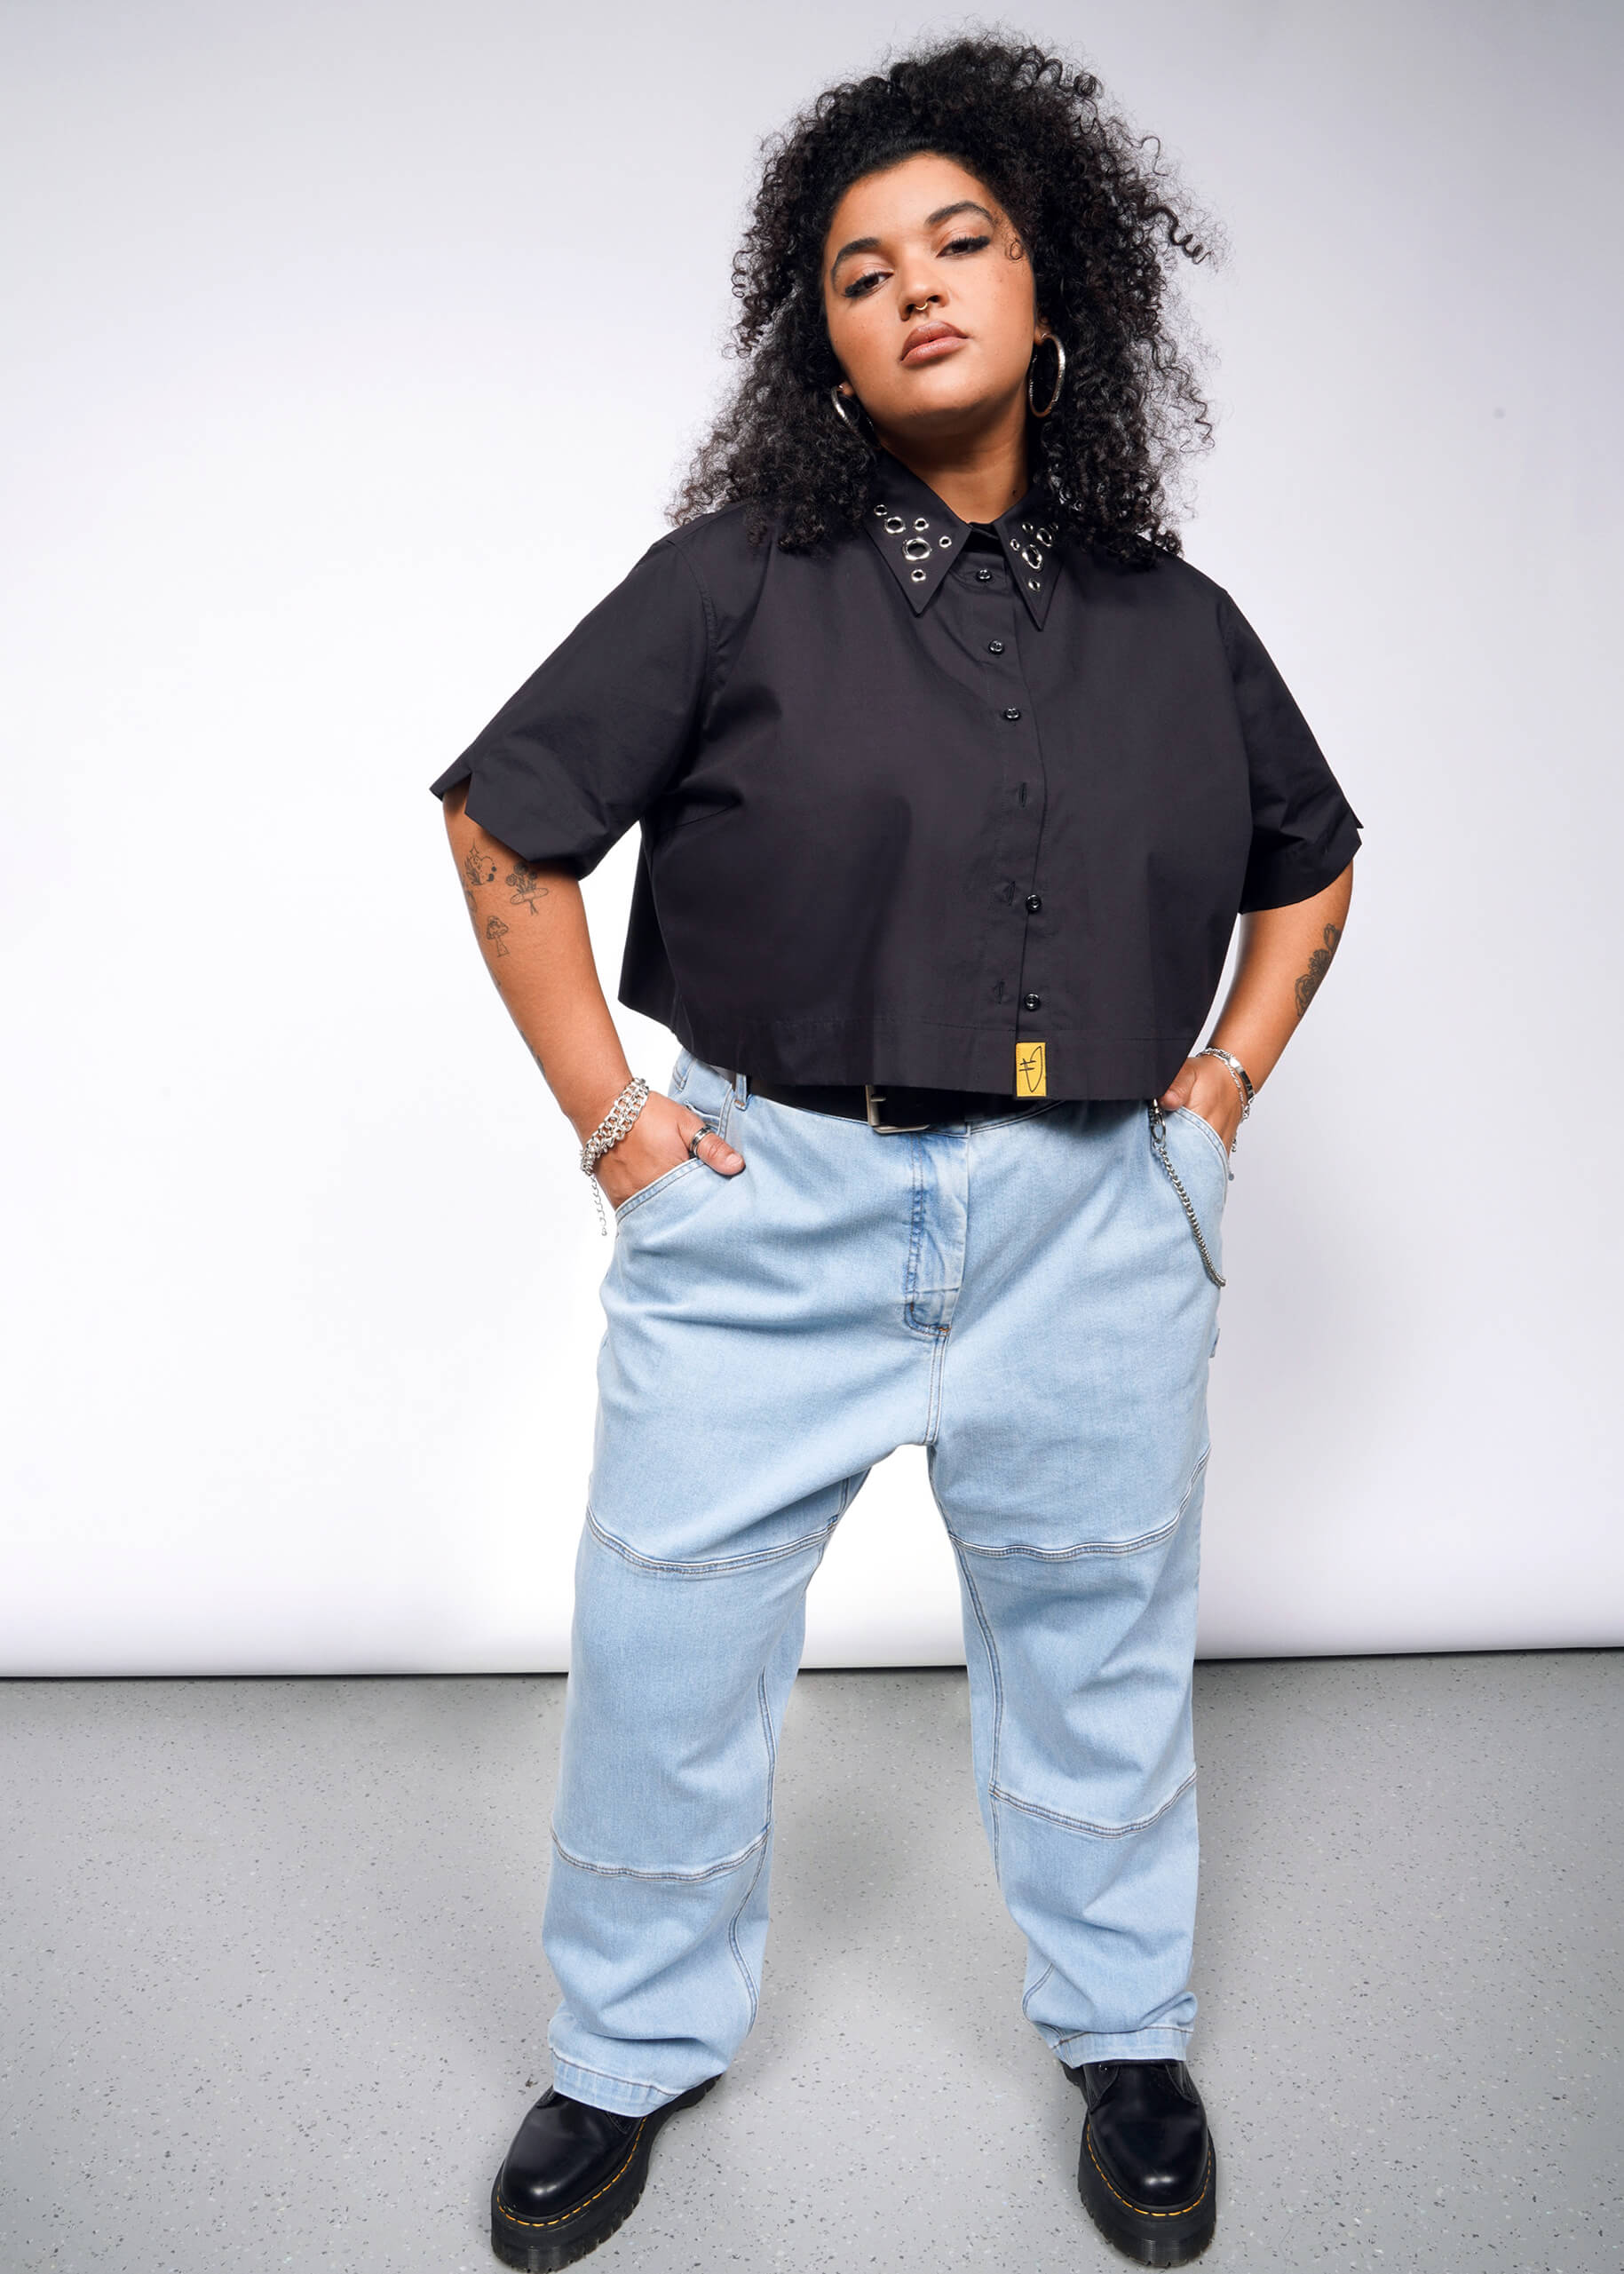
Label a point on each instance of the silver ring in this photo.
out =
(693, 1143)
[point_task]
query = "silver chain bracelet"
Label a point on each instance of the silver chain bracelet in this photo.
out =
(1242, 1080)
(609, 1131)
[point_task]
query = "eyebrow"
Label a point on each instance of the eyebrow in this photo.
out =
(932, 220)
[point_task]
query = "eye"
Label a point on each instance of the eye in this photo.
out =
(966, 244)
(860, 286)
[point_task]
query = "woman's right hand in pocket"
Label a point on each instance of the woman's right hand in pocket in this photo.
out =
(657, 1142)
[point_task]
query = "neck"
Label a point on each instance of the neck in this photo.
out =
(977, 478)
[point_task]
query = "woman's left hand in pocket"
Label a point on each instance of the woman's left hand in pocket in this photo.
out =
(1208, 1087)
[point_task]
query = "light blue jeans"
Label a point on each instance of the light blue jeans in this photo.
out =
(1026, 1298)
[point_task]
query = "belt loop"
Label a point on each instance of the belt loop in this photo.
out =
(741, 1091)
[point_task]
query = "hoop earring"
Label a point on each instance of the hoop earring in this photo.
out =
(1052, 341)
(841, 414)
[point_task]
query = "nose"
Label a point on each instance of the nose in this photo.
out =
(917, 289)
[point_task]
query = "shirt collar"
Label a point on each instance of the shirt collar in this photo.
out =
(921, 538)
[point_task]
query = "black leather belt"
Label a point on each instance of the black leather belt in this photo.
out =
(893, 1108)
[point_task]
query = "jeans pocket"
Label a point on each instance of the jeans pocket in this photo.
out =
(714, 1117)
(1198, 1169)
(660, 1184)
(1189, 1114)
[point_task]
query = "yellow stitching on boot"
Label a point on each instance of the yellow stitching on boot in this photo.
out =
(565, 2215)
(1138, 2209)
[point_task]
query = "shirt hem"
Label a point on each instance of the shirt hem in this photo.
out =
(922, 1054)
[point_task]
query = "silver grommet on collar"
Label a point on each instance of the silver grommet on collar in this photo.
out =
(894, 525)
(1046, 537)
(945, 541)
(922, 523)
(917, 574)
(917, 548)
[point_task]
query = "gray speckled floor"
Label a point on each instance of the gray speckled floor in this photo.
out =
(277, 1996)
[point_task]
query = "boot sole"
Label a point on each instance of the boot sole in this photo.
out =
(1152, 2238)
(542, 2246)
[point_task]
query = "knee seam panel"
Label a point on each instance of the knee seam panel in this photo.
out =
(1082, 1824)
(1146, 1540)
(634, 1871)
(713, 1567)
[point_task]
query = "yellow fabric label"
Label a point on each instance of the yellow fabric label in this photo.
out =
(1031, 1073)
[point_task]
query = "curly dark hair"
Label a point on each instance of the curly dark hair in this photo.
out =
(1099, 226)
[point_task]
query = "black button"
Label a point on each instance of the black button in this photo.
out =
(1034, 901)
(1032, 1002)
(995, 647)
(984, 576)
(1011, 714)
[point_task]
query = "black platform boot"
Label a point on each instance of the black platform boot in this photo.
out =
(1148, 2174)
(572, 2176)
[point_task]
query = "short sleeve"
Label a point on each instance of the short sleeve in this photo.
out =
(1304, 832)
(582, 750)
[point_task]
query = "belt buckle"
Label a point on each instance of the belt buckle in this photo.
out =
(872, 1098)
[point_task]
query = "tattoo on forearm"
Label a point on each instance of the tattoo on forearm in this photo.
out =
(1319, 964)
(478, 866)
(495, 931)
(525, 884)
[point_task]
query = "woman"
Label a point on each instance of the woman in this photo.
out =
(952, 780)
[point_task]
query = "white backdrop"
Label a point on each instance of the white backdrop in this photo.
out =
(352, 351)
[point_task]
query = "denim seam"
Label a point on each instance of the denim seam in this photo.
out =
(1097, 1548)
(996, 1671)
(718, 1565)
(732, 1929)
(1162, 2029)
(732, 1924)
(1088, 1548)
(766, 1734)
(656, 1185)
(1025, 2003)
(1082, 1824)
(916, 1217)
(633, 1870)
(638, 2084)
(933, 1406)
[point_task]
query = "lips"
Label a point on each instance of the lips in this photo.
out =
(927, 342)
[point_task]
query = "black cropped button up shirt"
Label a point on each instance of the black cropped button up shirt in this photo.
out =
(920, 801)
